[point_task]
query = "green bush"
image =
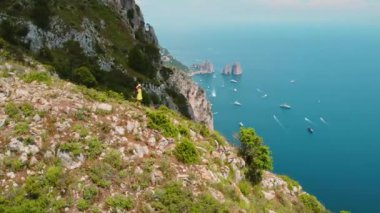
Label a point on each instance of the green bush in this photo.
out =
(245, 187)
(27, 109)
(53, 174)
(186, 152)
(256, 155)
(83, 75)
(89, 193)
(113, 158)
(41, 13)
(120, 202)
(174, 198)
(83, 205)
(12, 110)
(102, 174)
(81, 130)
(13, 163)
(35, 186)
(74, 148)
(21, 128)
(312, 204)
(291, 183)
(42, 77)
(159, 121)
(95, 147)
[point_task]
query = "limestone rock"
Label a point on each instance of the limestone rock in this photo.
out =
(104, 107)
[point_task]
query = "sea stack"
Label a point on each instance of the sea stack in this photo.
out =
(236, 69)
(227, 70)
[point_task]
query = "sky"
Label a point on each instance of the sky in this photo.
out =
(183, 14)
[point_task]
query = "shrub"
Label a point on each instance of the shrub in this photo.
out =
(186, 152)
(13, 163)
(159, 121)
(184, 131)
(74, 148)
(35, 186)
(245, 187)
(120, 202)
(53, 174)
(83, 205)
(113, 158)
(27, 109)
(41, 13)
(90, 193)
(11, 110)
(95, 147)
(42, 77)
(256, 155)
(172, 198)
(21, 128)
(312, 204)
(102, 174)
(81, 130)
(291, 183)
(83, 75)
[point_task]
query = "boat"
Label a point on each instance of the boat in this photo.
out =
(264, 96)
(241, 124)
(285, 106)
(237, 103)
(235, 90)
(233, 81)
(310, 130)
(213, 93)
(292, 81)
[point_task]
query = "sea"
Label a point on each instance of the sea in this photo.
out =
(329, 75)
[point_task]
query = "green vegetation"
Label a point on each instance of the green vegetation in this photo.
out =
(81, 130)
(113, 158)
(291, 182)
(90, 193)
(173, 198)
(15, 111)
(21, 128)
(102, 174)
(83, 75)
(245, 187)
(13, 163)
(312, 204)
(83, 205)
(256, 155)
(186, 152)
(95, 147)
(160, 121)
(53, 174)
(120, 202)
(75, 148)
(42, 77)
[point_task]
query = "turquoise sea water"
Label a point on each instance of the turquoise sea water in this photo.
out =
(337, 77)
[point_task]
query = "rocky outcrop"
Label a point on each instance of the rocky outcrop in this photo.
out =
(198, 105)
(234, 69)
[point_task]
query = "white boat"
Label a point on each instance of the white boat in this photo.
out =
(235, 90)
(241, 124)
(292, 81)
(237, 103)
(264, 96)
(233, 81)
(285, 106)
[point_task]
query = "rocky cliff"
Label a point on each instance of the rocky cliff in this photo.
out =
(198, 105)
(68, 148)
(108, 37)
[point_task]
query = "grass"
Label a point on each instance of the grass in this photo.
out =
(119, 201)
(41, 77)
(186, 152)
(21, 128)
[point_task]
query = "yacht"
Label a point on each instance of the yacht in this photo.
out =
(235, 90)
(233, 81)
(241, 124)
(237, 103)
(285, 106)
(310, 130)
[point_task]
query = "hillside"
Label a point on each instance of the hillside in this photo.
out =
(69, 148)
(103, 44)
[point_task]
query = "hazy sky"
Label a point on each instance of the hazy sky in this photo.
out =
(191, 13)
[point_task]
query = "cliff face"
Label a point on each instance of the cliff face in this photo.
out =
(66, 148)
(110, 37)
(198, 105)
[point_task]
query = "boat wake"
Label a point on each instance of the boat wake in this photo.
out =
(323, 121)
(278, 121)
(309, 121)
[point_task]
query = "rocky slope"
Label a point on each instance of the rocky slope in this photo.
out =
(67, 148)
(108, 37)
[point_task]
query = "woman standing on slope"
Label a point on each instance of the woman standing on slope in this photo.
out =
(139, 93)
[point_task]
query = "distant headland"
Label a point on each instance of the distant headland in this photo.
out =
(203, 68)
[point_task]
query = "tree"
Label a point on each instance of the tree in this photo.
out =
(256, 155)
(83, 75)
